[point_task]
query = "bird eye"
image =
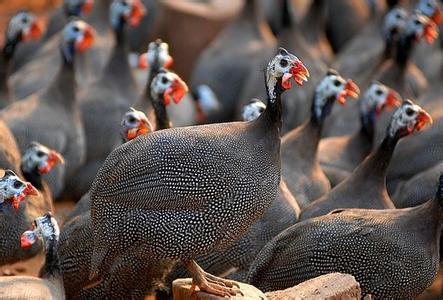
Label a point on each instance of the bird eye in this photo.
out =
(75, 29)
(409, 112)
(131, 119)
(261, 109)
(124, 3)
(337, 82)
(25, 20)
(17, 184)
(378, 92)
(417, 22)
(164, 80)
(40, 153)
(397, 16)
(283, 63)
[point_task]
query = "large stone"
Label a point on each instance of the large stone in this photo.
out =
(334, 286)
(181, 289)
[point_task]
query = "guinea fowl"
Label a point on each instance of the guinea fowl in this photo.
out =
(361, 60)
(370, 175)
(22, 27)
(393, 254)
(295, 100)
(340, 155)
(52, 117)
(14, 218)
(57, 20)
(105, 101)
(300, 167)
(283, 213)
(38, 160)
(206, 201)
(225, 68)
(50, 283)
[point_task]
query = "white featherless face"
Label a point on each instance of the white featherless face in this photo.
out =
(408, 118)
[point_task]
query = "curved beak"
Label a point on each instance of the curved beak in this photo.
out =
(54, 158)
(86, 41)
(176, 92)
(430, 32)
(87, 7)
(423, 118)
(34, 32)
(137, 12)
(350, 89)
(299, 72)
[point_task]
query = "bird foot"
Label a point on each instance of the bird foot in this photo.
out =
(212, 284)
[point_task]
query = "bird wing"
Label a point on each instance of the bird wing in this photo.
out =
(169, 171)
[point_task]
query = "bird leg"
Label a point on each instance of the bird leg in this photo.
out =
(209, 283)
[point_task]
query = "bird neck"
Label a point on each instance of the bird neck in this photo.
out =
(5, 69)
(51, 268)
(161, 114)
(286, 17)
(146, 96)
(315, 20)
(404, 50)
(271, 117)
(63, 88)
(34, 177)
(117, 69)
(367, 121)
(319, 110)
(374, 168)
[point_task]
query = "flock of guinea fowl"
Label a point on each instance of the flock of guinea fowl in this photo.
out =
(300, 187)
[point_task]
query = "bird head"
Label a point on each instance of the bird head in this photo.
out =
(431, 9)
(332, 88)
(126, 12)
(23, 26)
(135, 123)
(394, 22)
(408, 118)
(420, 27)
(253, 110)
(14, 190)
(44, 227)
(378, 97)
(169, 86)
(283, 67)
(40, 159)
(77, 7)
(157, 54)
(78, 36)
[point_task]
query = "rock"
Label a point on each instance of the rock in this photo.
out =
(181, 290)
(332, 286)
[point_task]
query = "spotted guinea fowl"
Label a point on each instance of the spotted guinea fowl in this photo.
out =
(105, 101)
(52, 117)
(283, 213)
(14, 220)
(22, 27)
(340, 155)
(393, 254)
(50, 283)
(300, 167)
(56, 21)
(370, 175)
(194, 185)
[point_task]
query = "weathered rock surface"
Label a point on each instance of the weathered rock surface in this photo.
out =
(181, 289)
(334, 286)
